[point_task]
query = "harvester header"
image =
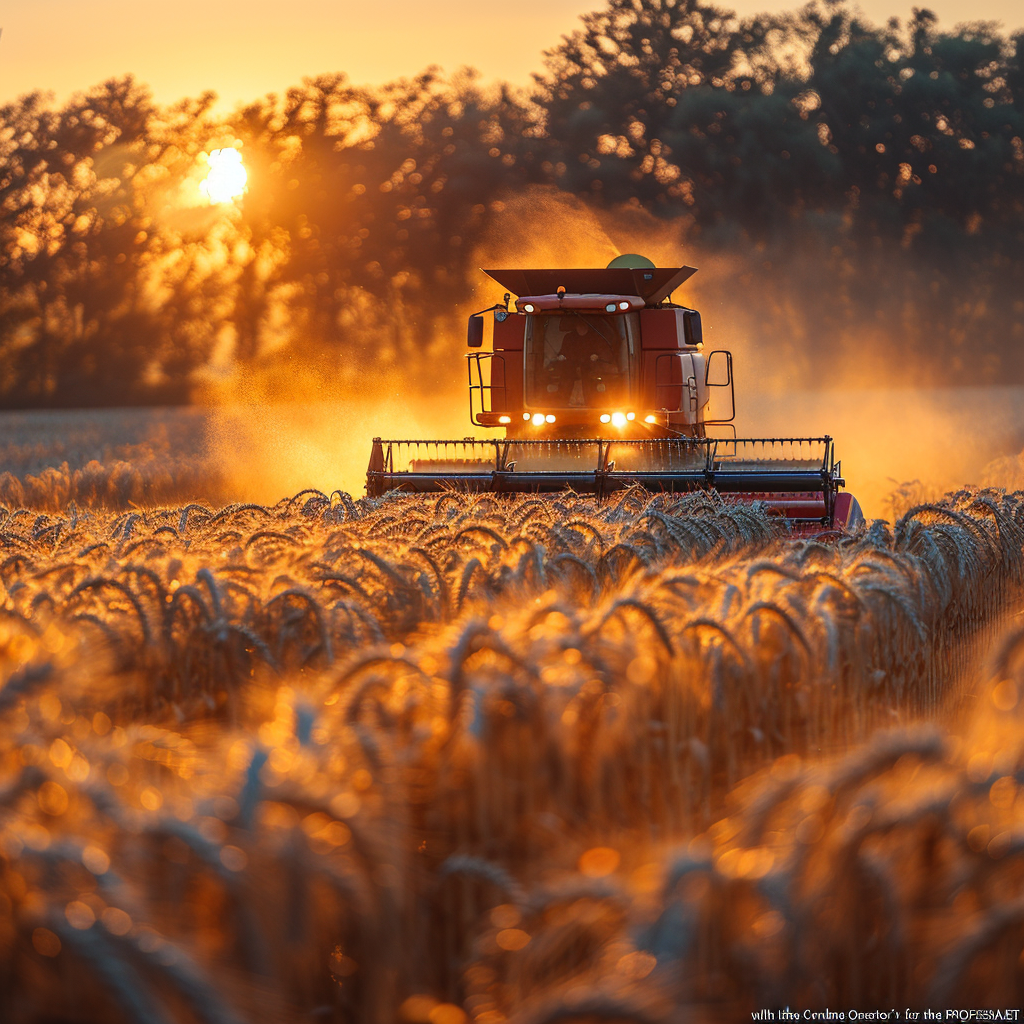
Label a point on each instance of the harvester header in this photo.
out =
(596, 380)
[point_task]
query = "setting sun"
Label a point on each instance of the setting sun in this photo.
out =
(227, 177)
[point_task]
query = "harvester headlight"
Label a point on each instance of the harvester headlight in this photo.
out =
(526, 416)
(528, 307)
(630, 415)
(623, 305)
(605, 418)
(610, 308)
(538, 419)
(504, 419)
(550, 418)
(650, 419)
(618, 419)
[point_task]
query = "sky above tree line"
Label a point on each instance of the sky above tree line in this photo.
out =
(242, 49)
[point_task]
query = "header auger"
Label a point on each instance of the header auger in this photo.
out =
(599, 382)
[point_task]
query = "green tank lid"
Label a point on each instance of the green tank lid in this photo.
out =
(630, 261)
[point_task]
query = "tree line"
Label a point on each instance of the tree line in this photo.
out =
(867, 183)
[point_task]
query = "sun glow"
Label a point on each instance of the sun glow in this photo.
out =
(227, 178)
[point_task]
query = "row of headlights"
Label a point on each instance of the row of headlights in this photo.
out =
(616, 419)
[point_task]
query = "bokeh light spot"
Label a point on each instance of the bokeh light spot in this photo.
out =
(511, 939)
(416, 1009)
(53, 799)
(96, 860)
(80, 915)
(447, 1013)
(45, 942)
(116, 921)
(599, 861)
(151, 798)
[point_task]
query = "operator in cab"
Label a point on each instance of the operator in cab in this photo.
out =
(580, 362)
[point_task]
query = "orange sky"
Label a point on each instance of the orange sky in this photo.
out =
(244, 48)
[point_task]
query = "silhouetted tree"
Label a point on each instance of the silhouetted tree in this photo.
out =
(92, 312)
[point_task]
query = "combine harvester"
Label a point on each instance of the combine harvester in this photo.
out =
(599, 382)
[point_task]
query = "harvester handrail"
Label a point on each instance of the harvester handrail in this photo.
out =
(484, 392)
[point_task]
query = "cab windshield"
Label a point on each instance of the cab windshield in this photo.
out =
(577, 361)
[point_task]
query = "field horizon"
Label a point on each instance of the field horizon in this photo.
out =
(238, 450)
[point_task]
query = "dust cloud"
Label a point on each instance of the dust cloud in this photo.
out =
(269, 451)
(935, 439)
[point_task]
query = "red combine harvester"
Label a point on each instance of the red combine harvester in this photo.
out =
(599, 382)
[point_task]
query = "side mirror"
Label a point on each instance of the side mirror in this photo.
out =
(475, 331)
(692, 333)
(718, 373)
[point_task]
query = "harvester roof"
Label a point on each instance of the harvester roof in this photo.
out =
(653, 284)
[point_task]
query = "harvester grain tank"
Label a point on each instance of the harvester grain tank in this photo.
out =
(597, 381)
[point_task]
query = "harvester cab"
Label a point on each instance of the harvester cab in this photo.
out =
(598, 382)
(596, 353)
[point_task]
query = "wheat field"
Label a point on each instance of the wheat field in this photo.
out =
(465, 758)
